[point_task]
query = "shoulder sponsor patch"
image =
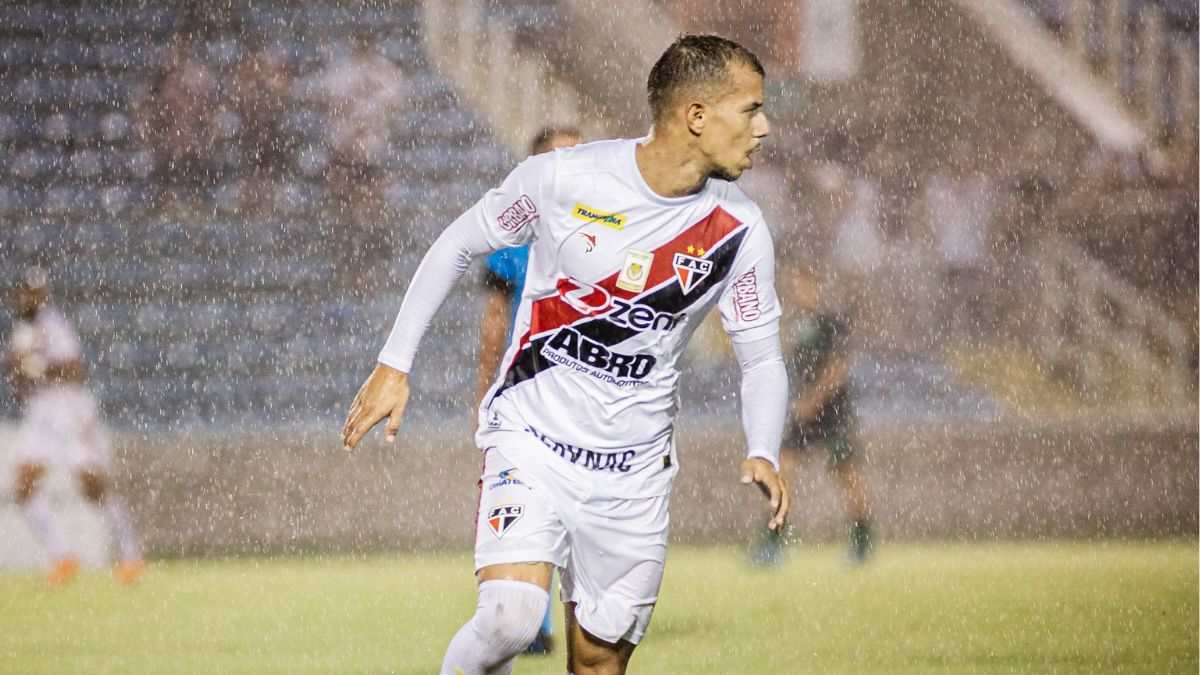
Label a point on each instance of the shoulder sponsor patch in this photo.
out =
(502, 518)
(593, 215)
(521, 213)
(745, 297)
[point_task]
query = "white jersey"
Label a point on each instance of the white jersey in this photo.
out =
(62, 424)
(46, 340)
(618, 279)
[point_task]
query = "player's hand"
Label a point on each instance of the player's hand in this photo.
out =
(384, 394)
(760, 471)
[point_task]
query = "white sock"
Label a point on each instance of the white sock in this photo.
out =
(37, 512)
(506, 620)
(122, 529)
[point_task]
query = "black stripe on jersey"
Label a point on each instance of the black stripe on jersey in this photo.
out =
(669, 299)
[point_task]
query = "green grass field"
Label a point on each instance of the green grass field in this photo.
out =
(1023, 608)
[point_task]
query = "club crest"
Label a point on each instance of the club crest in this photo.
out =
(690, 270)
(502, 518)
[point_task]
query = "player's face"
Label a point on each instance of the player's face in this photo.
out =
(737, 125)
(29, 302)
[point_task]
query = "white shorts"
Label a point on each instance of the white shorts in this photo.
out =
(62, 428)
(610, 551)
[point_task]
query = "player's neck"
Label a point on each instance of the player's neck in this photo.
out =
(670, 169)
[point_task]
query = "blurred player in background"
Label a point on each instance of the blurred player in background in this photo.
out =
(61, 428)
(822, 412)
(632, 243)
(504, 279)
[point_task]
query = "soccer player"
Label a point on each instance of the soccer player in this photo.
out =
(822, 413)
(61, 427)
(504, 278)
(632, 242)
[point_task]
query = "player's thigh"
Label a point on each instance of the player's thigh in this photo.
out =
(590, 655)
(537, 573)
(29, 476)
(94, 485)
(518, 534)
(618, 553)
(841, 452)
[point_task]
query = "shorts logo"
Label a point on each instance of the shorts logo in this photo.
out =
(586, 213)
(507, 477)
(690, 270)
(583, 297)
(521, 213)
(745, 297)
(502, 518)
(635, 272)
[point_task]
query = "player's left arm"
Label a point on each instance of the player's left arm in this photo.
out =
(20, 383)
(493, 328)
(764, 404)
(750, 313)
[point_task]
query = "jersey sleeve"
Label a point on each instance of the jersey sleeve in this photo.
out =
(511, 214)
(749, 308)
(506, 216)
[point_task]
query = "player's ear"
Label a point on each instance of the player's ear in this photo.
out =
(696, 115)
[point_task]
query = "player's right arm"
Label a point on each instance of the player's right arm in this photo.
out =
(493, 328)
(18, 382)
(750, 313)
(506, 216)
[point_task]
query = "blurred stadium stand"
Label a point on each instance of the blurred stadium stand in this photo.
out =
(219, 312)
(233, 307)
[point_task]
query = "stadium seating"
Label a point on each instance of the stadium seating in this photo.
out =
(214, 315)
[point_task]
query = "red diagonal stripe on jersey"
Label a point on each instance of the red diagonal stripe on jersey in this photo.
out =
(552, 312)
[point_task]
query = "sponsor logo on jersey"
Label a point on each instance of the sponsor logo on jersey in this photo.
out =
(745, 297)
(521, 213)
(507, 477)
(689, 269)
(635, 272)
(590, 240)
(719, 234)
(587, 299)
(592, 300)
(640, 317)
(569, 348)
(588, 459)
(502, 518)
(593, 215)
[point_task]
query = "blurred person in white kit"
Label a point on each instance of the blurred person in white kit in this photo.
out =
(61, 428)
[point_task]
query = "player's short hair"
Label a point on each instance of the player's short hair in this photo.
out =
(694, 62)
(544, 135)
